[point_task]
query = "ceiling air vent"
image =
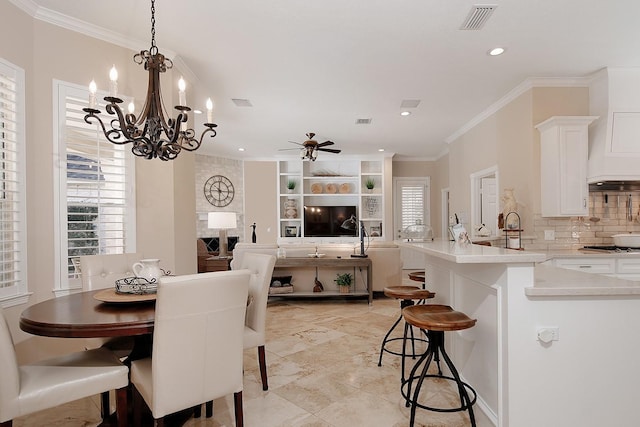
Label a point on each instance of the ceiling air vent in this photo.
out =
(409, 103)
(478, 16)
(363, 121)
(242, 102)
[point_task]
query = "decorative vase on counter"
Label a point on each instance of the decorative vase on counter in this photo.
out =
(509, 205)
(291, 208)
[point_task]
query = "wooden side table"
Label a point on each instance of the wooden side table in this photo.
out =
(215, 263)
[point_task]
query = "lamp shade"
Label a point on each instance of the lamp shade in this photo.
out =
(222, 220)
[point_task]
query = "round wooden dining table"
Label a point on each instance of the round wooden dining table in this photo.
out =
(80, 315)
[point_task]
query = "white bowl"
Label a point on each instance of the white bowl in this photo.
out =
(315, 255)
(627, 240)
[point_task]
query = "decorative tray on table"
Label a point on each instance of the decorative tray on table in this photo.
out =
(127, 290)
(136, 285)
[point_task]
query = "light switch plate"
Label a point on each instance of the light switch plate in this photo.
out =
(549, 234)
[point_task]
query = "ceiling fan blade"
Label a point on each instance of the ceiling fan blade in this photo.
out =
(324, 144)
(288, 149)
(329, 150)
(297, 143)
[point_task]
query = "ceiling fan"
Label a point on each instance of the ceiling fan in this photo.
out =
(310, 147)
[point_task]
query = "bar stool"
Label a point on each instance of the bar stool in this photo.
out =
(418, 276)
(407, 295)
(436, 319)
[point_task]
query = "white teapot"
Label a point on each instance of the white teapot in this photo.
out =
(148, 269)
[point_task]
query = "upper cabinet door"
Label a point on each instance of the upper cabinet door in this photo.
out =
(564, 146)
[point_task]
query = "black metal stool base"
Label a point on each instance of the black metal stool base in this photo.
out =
(387, 340)
(436, 346)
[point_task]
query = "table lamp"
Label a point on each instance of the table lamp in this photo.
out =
(352, 224)
(222, 221)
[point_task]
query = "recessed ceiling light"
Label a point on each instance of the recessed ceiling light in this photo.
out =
(405, 113)
(197, 111)
(381, 149)
(496, 51)
(240, 149)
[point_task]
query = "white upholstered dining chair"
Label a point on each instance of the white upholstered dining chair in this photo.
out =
(261, 266)
(102, 271)
(197, 344)
(25, 389)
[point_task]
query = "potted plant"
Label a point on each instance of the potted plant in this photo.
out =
(370, 184)
(344, 282)
(291, 185)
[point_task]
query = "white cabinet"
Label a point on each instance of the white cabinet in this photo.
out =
(590, 265)
(331, 183)
(618, 266)
(564, 146)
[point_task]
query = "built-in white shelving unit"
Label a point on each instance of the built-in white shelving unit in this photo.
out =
(330, 183)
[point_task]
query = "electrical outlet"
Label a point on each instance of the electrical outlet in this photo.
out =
(549, 234)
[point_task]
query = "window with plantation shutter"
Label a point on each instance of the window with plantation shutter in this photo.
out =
(411, 202)
(13, 266)
(96, 188)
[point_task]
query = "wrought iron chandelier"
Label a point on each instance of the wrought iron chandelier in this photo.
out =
(152, 134)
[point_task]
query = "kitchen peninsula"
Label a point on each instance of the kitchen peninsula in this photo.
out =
(586, 377)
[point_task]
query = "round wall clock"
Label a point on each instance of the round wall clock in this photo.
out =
(219, 190)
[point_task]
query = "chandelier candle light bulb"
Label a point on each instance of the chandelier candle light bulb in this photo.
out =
(182, 96)
(209, 110)
(92, 94)
(131, 107)
(113, 82)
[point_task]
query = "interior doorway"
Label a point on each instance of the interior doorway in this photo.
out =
(484, 200)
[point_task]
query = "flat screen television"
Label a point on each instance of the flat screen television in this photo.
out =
(326, 221)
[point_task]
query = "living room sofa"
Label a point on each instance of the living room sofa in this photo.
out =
(385, 260)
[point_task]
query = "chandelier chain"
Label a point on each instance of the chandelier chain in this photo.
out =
(153, 49)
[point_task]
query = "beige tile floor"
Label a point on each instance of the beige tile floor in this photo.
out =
(323, 370)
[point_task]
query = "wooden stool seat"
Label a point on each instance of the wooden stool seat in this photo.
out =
(418, 276)
(408, 293)
(435, 317)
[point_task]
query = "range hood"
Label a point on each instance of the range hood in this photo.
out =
(614, 138)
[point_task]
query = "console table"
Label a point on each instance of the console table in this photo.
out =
(330, 262)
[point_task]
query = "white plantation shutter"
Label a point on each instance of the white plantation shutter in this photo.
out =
(412, 203)
(13, 268)
(97, 203)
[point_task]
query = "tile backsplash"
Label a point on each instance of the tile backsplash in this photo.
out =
(576, 232)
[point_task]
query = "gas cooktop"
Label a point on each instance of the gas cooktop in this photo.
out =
(610, 249)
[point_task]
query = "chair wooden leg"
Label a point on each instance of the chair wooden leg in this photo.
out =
(104, 403)
(137, 407)
(160, 422)
(237, 404)
(209, 409)
(197, 411)
(263, 367)
(121, 407)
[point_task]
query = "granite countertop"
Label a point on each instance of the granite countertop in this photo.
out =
(554, 281)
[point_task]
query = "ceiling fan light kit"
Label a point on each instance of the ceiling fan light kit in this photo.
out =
(310, 148)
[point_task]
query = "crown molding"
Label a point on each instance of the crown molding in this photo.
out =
(526, 85)
(73, 24)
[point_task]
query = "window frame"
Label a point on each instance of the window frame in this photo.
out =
(18, 293)
(398, 183)
(61, 90)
